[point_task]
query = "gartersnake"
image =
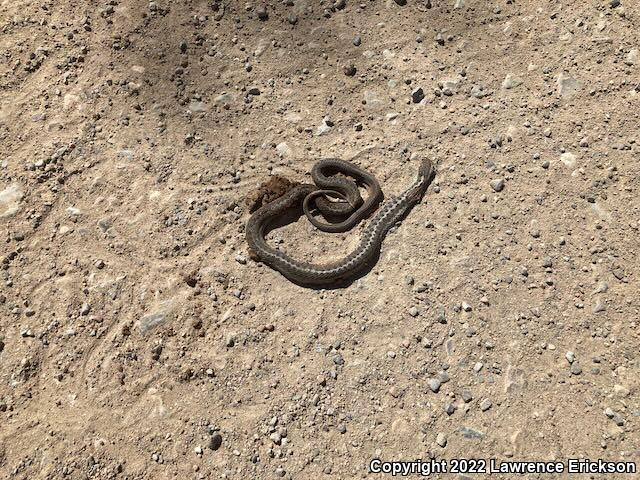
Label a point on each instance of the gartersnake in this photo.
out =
(391, 211)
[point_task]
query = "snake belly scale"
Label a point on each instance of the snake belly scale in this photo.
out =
(392, 210)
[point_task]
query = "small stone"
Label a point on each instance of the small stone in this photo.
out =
(511, 81)
(466, 396)
(105, 224)
(402, 3)
(323, 128)
(450, 86)
(284, 150)
(497, 184)
(441, 439)
(10, 199)
(567, 85)
(262, 12)
(485, 404)
(85, 309)
(569, 159)
(276, 438)
(223, 99)
(477, 91)
(349, 70)
(357, 41)
(477, 367)
(632, 57)
(609, 413)
(466, 307)
(471, 433)
(570, 356)
(449, 409)
(417, 95)
(198, 450)
(413, 311)
(614, 3)
(215, 441)
(434, 384)
(599, 307)
(576, 369)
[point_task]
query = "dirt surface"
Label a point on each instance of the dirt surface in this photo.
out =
(138, 340)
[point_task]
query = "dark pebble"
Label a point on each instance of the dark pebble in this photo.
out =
(349, 70)
(262, 13)
(215, 442)
(417, 95)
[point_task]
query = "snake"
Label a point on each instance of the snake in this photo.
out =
(324, 176)
(390, 212)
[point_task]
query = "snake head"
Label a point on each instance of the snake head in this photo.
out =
(425, 175)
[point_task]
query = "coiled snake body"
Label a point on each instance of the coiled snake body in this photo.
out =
(391, 211)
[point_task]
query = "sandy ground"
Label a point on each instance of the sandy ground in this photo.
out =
(138, 340)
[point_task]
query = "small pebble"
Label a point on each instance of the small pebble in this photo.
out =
(434, 384)
(215, 441)
(349, 70)
(417, 95)
(262, 13)
(497, 184)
